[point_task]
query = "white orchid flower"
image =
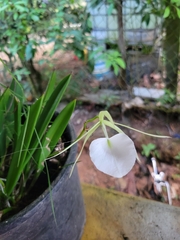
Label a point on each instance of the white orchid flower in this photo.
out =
(114, 156)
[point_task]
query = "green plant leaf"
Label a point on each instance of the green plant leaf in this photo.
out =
(2, 139)
(121, 63)
(17, 90)
(108, 63)
(35, 18)
(15, 168)
(3, 8)
(29, 52)
(19, 158)
(51, 105)
(178, 12)
(54, 134)
(110, 9)
(177, 157)
(148, 148)
(47, 113)
(6, 120)
(17, 120)
(50, 87)
(20, 8)
(114, 53)
(166, 12)
(146, 18)
(15, 16)
(116, 69)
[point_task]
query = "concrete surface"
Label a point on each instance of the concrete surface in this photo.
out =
(114, 215)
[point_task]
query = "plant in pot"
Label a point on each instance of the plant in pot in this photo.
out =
(38, 199)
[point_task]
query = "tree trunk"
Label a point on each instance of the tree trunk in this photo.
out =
(171, 48)
(35, 77)
(121, 45)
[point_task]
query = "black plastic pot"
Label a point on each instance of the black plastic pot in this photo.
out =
(36, 221)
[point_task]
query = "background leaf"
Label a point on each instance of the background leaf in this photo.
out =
(166, 12)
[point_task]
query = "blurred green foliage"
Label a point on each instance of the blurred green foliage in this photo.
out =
(26, 25)
(168, 98)
(150, 149)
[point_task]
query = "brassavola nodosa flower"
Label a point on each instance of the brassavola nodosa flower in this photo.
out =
(115, 155)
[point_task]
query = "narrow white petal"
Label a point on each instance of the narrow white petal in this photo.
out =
(115, 160)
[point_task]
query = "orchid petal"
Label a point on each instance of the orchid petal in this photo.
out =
(114, 156)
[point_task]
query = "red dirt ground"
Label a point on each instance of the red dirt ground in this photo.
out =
(138, 181)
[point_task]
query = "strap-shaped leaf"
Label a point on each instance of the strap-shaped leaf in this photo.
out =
(15, 168)
(17, 90)
(19, 158)
(50, 87)
(17, 120)
(49, 109)
(34, 132)
(6, 120)
(53, 135)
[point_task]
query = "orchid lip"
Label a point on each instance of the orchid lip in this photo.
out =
(114, 156)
